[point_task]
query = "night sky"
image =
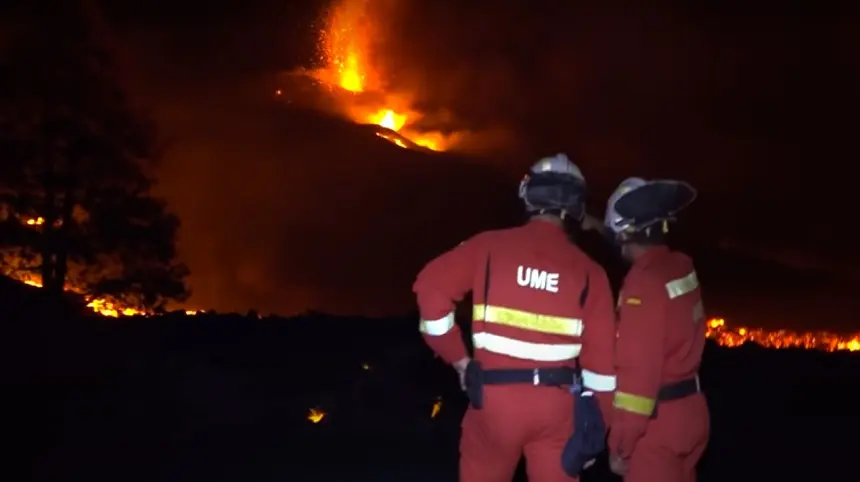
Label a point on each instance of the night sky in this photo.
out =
(285, 210)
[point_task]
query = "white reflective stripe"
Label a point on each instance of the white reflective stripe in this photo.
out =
(682, 286)
(525, 350)
(598, 381)
(437, 327)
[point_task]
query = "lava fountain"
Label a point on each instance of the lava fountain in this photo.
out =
(346, 51)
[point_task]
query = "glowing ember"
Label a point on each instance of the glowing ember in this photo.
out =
(734, 337)
(346, 46)
(437, 406)
(315, 415)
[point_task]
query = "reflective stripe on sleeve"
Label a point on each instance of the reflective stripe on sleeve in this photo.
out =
(553, 325)
(682, 286)
(634, 403)
(437, 327)
(525, 350)
(598, 382)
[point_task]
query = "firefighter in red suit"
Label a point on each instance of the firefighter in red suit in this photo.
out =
(660, 423)
(539, 304)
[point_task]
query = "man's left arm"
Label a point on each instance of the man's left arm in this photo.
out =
(598, 341)
(639, 360)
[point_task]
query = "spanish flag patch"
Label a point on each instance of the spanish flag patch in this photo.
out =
(633, 301)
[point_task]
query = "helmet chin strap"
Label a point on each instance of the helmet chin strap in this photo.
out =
(555, 212)
(562, 214)
(627, 236)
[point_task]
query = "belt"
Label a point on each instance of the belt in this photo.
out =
(678, 390)
(534, 376)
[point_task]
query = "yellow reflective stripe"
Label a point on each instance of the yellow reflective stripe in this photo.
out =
(525, 350)
(553, 325)
(437, 327)
(682, 286)
(634, 403)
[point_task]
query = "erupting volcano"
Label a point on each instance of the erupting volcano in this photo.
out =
(347, 52)
(357, 83)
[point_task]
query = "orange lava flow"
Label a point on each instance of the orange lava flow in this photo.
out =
(346, 46)
(734, 337)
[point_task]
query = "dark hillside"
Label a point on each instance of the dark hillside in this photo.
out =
(226, 398)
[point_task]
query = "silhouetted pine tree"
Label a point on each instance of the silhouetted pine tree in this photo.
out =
(77, 154)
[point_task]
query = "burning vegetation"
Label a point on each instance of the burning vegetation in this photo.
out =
(19, 265)
(718, 331)
(822, 340)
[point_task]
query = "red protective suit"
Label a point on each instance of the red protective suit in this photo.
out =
(661, 336)
(530, 318)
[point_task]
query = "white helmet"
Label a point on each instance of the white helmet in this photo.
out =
(554, 185)
(636, 205)
(614, 221)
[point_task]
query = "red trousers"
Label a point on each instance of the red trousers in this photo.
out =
(516, 420)
(673, 443)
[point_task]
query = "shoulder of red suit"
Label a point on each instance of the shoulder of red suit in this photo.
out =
(665, 267)
(485, 239)
(488, 236)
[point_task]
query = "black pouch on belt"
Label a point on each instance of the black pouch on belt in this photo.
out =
(475, 384)
(474, 379)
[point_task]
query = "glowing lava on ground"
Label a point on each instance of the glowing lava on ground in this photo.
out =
(346, 46)
(734, 337)
(717, 329)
